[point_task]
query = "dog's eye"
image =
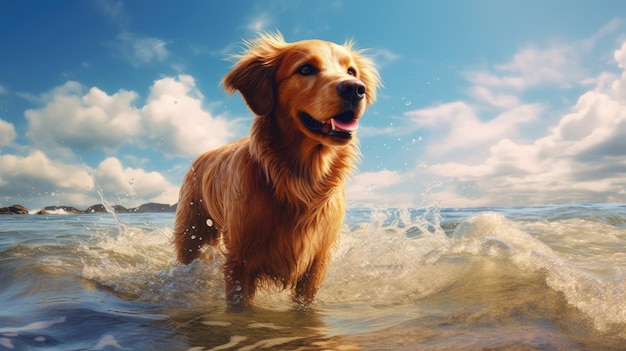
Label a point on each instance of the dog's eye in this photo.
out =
(352, 72)
(307, 70)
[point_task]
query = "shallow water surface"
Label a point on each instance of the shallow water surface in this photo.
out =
(528, 278)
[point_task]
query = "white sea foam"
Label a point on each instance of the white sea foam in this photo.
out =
(56, 211)
(491, 234)
(380, 262)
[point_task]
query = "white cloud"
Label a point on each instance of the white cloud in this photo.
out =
(366, 186)
(558, 65)
(260, 22)
(3, 90)
(176, 123)
(139, 50)
(463, 127)
(79, 122)
(383, 57)
(619, 85)
(135, 48)
(133, 186)
(36, 176)
(115, 11)
(36, 181)
(580, 159)
(172, 120)
(7, 133)
(368, 181)
(497, 99)
(73, 119)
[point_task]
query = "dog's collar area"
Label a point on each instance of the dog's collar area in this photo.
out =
(340, 126)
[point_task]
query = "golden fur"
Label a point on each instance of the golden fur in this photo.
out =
(277, 196)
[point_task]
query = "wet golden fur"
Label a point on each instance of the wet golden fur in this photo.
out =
(277, 196)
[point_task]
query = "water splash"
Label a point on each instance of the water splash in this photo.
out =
(386, 257)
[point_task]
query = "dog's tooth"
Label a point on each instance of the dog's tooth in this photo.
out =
(332, 123)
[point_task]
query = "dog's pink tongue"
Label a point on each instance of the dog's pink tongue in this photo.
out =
(345, 126)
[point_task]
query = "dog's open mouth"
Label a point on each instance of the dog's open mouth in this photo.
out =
(340, 126)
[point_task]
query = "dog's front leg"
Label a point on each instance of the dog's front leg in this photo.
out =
(240, 284)
(309, 283)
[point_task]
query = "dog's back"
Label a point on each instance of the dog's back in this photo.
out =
(277, 198)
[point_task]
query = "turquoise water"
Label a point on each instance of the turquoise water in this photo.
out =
(525, 278)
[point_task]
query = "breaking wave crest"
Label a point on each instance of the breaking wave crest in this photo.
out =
(393, 258)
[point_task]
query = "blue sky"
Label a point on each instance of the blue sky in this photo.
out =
(485, 103)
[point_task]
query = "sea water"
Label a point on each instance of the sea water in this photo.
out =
(524, 278)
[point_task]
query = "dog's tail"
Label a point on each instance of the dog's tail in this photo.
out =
(193, 228)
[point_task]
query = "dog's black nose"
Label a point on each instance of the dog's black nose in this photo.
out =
(351, 90)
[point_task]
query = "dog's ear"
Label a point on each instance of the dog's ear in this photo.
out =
(255, 82)
(254, 74)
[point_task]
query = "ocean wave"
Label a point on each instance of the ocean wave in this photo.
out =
(395, 258)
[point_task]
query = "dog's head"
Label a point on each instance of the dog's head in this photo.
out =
(320, 87)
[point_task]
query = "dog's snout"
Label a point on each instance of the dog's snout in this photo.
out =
(352, 90)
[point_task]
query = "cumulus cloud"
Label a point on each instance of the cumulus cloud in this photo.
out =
(177, 124)
(172, 120)
(464, 128)
(580, 159)
(35, 180)
(74, 121)
(7, 133)
(133, 186)
(35, 176)
(533, 66)
(71, 119)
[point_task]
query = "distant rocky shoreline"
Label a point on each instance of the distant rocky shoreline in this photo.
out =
(98, 208)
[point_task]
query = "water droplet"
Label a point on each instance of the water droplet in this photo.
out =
(209, 222)
(193, 227)
(193, 237)
(191, 203)
(131, 181)
(408, 103)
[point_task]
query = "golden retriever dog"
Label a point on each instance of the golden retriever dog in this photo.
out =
(274, 201)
